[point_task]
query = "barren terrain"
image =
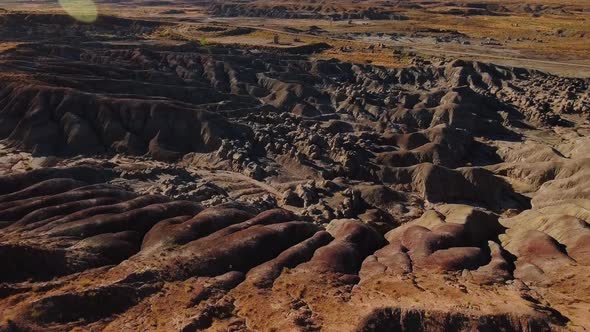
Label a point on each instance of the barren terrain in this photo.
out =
(287, 166)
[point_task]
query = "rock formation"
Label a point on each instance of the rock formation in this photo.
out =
(206, 187)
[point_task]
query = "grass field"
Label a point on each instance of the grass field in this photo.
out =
(546, 30)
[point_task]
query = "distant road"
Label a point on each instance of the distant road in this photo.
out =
(420, 48)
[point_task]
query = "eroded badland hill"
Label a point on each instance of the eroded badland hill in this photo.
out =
(186, 166)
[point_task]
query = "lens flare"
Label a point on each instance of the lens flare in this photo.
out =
(81, 10)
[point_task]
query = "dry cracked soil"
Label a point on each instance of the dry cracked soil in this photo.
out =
(150, 186)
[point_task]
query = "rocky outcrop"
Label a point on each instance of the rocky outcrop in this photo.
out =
(302, 12)
(205, 187)
(117, 257)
